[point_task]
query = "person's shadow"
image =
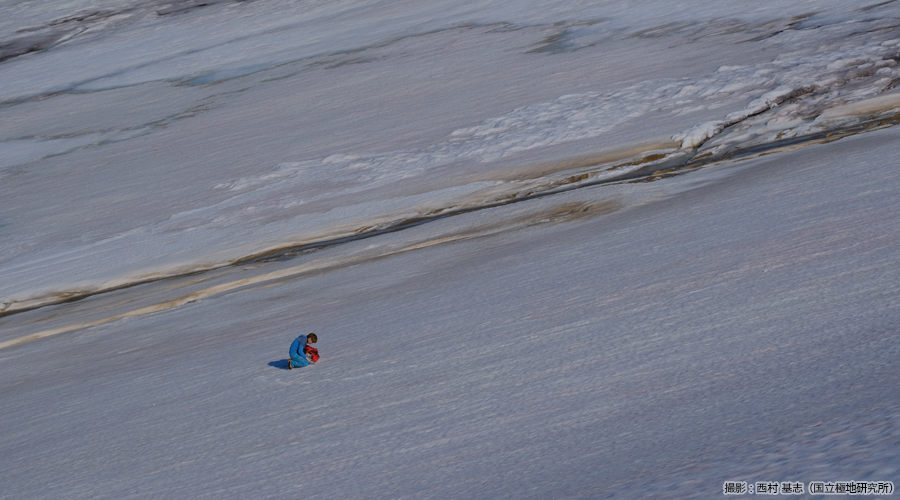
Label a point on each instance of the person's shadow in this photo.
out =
(281, 364)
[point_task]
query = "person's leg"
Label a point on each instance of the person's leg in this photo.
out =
(298, 361)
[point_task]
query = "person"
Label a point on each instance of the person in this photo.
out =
(302, 353)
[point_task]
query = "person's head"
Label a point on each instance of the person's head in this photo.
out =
(311, 338)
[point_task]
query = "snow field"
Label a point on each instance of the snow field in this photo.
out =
(642, 352)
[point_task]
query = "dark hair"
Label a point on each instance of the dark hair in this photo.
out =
(311, 338)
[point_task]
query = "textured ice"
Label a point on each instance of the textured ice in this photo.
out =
(339, 195)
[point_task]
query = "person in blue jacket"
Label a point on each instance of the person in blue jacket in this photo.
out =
(298, 356)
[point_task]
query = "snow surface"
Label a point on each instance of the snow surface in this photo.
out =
(551, 249)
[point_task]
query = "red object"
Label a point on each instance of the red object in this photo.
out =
(312, 352)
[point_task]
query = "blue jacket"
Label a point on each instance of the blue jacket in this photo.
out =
(297, 347)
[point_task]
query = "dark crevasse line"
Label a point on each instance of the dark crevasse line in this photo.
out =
(46, 35)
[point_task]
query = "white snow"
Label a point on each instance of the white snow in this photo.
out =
(578, 317)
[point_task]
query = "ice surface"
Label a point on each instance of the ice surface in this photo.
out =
(553, 250)
(731, 323)
(347, 192)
